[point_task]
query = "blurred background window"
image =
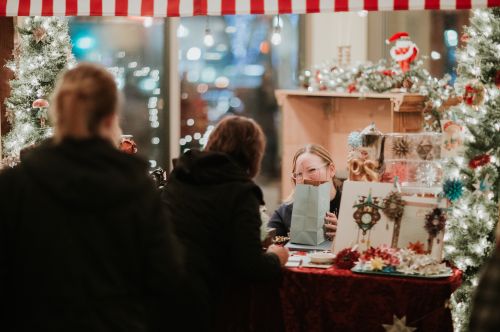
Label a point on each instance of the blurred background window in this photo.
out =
(133, 50)
(232, 65)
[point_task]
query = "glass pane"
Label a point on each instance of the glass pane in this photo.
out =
(132, 49)
(235, 70)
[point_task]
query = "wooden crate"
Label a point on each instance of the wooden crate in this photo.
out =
(327, 118)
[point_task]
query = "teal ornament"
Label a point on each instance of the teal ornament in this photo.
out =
(354, 140)
(453, 189)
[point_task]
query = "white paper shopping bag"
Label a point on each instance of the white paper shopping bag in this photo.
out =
(308, 215)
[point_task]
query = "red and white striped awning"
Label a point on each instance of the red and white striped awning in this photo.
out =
(164, 8)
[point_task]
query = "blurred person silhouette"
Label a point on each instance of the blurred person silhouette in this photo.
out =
(214, 204)
(265, 112)
(485, 315)
(84, 243)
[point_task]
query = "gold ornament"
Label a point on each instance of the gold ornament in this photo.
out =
(40, 34)
(401, 147)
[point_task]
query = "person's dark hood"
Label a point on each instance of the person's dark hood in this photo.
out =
(89, 173)
(207, 167)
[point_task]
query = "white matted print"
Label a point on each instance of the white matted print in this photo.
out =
(361, 221)
(413, 229)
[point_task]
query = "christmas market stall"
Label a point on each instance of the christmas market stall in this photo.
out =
(420, 156)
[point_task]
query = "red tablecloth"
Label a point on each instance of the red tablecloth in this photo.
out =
(340, 300)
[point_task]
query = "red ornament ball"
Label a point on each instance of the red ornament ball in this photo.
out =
(128, 145)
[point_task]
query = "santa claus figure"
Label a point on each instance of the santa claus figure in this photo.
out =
(404, 51)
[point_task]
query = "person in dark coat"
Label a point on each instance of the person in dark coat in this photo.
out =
(314, 163)
(211, 198)
(485, 307)
(84, 243)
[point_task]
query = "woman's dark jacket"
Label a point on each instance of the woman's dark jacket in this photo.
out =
(84, 244)
(282, 217)
(214, 205)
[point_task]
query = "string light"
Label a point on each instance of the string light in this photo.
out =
(276, 35)
(208, 39)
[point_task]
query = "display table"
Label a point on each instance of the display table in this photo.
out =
(311, 300)
(340, 300)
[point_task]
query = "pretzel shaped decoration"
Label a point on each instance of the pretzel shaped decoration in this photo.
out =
(363, 170)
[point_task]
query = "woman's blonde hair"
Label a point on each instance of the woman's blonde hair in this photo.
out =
(242, 139)
(83, 97)
(319, 151)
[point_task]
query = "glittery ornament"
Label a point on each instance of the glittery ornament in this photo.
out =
(474, 94)
(40, 34)
(453, 189)
(354, 140)
(401, 147)
(159, 176)
(128, 145)
(464, 38)
(427, 174)
(9, 162)
(479, 161)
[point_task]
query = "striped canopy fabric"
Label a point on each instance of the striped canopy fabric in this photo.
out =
(165, 8)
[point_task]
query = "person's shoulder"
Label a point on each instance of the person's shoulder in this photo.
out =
(285, 206)
(10, 180)
(249, 188)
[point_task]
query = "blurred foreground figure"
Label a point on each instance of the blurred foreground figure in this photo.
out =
(84, 245)
(485, 316)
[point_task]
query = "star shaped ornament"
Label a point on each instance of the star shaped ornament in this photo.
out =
(483, 186)
(398, 325)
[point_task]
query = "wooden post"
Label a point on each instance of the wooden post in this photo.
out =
(6, 47)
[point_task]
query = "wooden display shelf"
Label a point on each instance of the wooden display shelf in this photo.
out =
(327, 118)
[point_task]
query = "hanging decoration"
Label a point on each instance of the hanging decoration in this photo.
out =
(128, 145)
(404, 51)
(435, 222)
(401, 147)
(474, 94)
(42, 114)
(425, 149)
(366, 215)
(393, 208)
(453, 189)
(479, 161)
(483, 186)
(497, 79)
(428, 174)
(394, 205)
